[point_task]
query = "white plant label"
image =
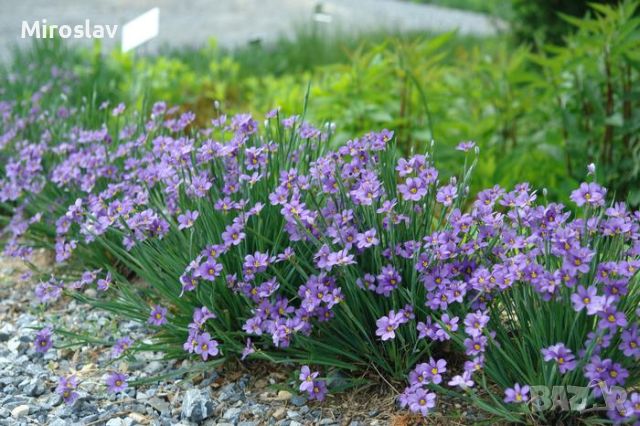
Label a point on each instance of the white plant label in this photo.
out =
(141, 29)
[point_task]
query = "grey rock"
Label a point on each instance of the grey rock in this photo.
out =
(230, 392)
(58, 422)
(158, 404)
(4, 413)
(232, 413)
(117, 421)
(13, 401)
(197, 405)
(16, 345)
(90, 419)
(54, 400)
(298, 400)
(34, 388)
(8, 328)
(153, 367)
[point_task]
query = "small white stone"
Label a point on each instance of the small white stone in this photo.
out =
(20, 411)
(284, 395)
(279, 413)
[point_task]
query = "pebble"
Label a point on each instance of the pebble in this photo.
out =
(279, 413)
(232, 413)
(20, 411)
(197, 405)
(298, 400)
(292, 414)
(154, 367)
(137, 417)
(284, 395)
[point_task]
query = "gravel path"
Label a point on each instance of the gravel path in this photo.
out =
(236, 22)
(243, 395)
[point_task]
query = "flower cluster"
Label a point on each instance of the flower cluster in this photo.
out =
(417, 396)
(199, 341)
(309, 383)
(272, 241)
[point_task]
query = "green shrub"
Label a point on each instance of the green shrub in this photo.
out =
(592, 88)
(541, 20)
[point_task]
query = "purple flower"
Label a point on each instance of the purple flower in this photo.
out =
(634, 398)
(121, 346)
(187, 219)
(475, 323)
(518, 394)
(116, 382)
(233, 235)
(43, 341)
(48, 291)
(589, 193)
(118, 110)
(587, 298)
(104, 283)
(387, 326)
(463, 381)
(367, 239)
(307, 379)
(611, 319)
(255, 263)
(448, 325)
(318, 391)
(447, 194)
(630, 344)
(413, 189)
(476, 345)
(561, 355)
(248, 349)
(206, 346)
(158, 315)
(66, 388)
(209, 270)
(435, 369)
(388, 280)
(466, 146)
(421, 401)
(201, 315)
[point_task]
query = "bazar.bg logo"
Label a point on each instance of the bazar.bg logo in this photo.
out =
(41, 29)
(578, 398)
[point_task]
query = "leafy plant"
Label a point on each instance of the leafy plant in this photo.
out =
(594, 81)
